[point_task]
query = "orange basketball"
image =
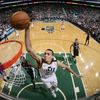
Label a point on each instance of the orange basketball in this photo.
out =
(19, 20)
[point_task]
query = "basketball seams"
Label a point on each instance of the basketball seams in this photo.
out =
(19, 20)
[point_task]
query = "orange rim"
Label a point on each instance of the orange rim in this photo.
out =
(10, 62)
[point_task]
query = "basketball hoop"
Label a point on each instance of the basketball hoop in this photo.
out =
(13, 59)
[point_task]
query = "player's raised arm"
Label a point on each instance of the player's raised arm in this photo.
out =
(29, 46)
(68, 69)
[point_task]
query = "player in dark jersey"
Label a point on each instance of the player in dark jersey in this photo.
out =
(75, 47)
(87, 39)
(29, 68)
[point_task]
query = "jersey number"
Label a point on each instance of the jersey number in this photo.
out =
(50, 70)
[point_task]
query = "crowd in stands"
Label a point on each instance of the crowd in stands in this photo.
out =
(84, 17)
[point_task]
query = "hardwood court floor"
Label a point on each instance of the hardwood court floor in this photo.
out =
(60, 40)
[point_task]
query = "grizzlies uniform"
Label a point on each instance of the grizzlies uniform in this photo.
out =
(47, 73)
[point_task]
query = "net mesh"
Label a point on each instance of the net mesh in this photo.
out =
(17, 76)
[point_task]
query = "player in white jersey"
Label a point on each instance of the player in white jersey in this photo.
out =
(47, 65)
(47, 73)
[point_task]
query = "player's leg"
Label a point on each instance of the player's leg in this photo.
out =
(54, 82)
(74, 55)
(85, 42)
(4, 76)
(51, 84)
(30, 72)
(51, 88)
(88, 42)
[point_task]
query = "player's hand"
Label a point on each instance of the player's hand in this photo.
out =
(79, 76)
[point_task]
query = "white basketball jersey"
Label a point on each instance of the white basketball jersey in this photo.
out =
(48, 69)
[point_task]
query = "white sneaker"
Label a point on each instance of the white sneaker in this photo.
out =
(5, 78)
(54, 94)
(56, 89)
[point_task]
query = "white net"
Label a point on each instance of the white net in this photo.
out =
(17, 76)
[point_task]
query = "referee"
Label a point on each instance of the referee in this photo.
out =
(75, 49)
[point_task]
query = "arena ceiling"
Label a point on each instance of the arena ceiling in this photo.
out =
(96, 1)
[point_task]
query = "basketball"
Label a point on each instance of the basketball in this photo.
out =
(19, 20)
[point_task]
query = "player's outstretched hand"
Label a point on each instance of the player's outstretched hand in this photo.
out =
(79, 76)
